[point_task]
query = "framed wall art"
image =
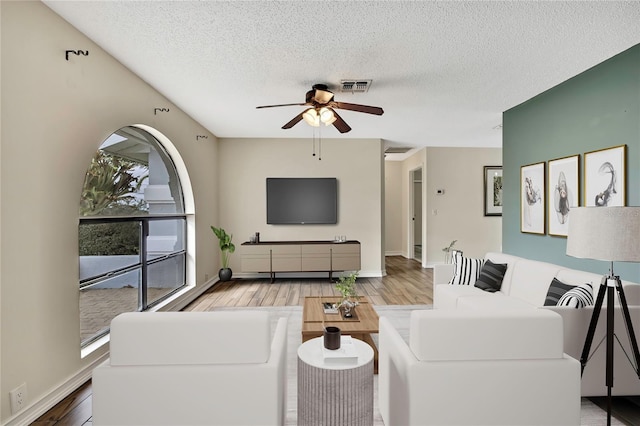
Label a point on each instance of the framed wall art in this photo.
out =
(532, 214)
(563, 187)
(493, 190)
(605, 177)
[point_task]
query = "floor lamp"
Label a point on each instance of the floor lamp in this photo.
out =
(611, 234)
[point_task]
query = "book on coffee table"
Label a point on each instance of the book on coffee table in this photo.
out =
(330, 308)
(345, 353)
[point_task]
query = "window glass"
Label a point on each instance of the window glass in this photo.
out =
(100, 303)
(108, 247)
(165, 276)
(130, 188)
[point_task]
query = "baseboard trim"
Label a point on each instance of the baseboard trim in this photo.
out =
(55, 395)
(184, 300)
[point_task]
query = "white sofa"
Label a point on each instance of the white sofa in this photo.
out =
(478, 367)
(192, 368)
(525, 286)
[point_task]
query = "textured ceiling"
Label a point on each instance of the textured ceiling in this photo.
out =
(443, 71)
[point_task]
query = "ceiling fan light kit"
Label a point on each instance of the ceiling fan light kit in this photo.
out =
(322, 109)
(315, 116)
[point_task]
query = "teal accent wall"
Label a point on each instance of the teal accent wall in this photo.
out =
(597, 109)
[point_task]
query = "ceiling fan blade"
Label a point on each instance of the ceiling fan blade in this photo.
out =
(340, 124)
(281, 105)
(359, 108)
(295, 120)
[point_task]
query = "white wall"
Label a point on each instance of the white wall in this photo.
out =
(356, 163)
(460, 211)
(55, 114)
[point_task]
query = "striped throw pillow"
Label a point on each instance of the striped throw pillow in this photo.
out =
(466, 270)
(578, 297)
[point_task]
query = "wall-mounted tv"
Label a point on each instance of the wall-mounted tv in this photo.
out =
(302, 201)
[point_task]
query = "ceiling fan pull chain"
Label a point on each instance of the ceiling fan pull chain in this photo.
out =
(313, 143)
(319, 143)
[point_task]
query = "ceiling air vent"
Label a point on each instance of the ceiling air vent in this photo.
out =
(355, 86)
(397, 150)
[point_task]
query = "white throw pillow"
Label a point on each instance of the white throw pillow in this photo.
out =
(465, 270)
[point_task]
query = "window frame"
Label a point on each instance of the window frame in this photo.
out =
(143, 263)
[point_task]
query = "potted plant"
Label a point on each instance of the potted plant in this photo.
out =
(226, 247)
(346, 285)
(447, 251)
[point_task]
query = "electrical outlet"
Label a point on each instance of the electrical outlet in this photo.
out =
(18, 398)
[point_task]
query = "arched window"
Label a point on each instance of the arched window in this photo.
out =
(132, 234)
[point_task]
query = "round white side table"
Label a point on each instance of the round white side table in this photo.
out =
(336, 392)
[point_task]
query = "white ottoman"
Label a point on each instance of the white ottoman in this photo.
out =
(335, 392)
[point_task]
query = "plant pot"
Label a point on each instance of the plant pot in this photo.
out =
(348, 312)
(225, 274)
(347, 307)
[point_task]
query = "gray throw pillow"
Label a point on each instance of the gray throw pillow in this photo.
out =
(491, 276)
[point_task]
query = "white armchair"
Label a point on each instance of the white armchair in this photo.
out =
(474, 367)
(192, 368)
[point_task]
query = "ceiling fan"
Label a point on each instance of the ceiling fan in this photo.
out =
(322, 109)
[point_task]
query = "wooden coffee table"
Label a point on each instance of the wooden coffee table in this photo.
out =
(361, 326)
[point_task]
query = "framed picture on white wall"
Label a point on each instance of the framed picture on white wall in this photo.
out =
(605, 177)
(493, 190)
(532, 214)
(563, 187)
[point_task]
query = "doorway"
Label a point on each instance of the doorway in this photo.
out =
(415, 233)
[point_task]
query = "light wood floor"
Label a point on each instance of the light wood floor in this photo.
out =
(406, 283)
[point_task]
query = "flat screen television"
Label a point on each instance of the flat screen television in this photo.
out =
(302, 201)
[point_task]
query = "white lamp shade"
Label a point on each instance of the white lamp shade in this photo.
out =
(311, 117)
(327, 116)
(604, 233)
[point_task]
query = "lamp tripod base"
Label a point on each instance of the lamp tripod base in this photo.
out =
(610, 284)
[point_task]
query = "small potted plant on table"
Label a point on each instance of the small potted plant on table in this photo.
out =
(226, 247)
(346, 285)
